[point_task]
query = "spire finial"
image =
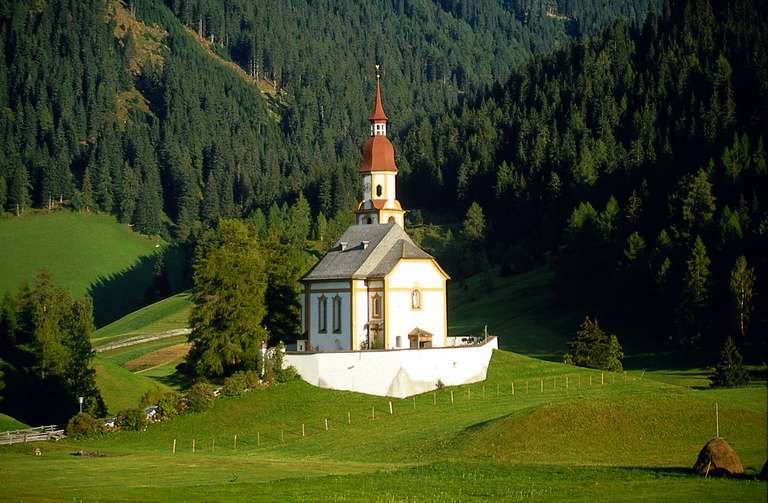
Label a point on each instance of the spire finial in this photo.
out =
(378, 110)
(378, 72)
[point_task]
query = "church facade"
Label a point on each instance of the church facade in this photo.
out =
(375, 288)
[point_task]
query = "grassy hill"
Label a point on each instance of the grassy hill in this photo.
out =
(627, 439)
(168, 314)
(86, 253)
(9, 423)
(120, 388)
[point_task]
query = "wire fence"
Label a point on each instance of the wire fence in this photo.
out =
(456, 400)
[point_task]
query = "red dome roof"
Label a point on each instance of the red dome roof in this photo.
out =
(378, 155)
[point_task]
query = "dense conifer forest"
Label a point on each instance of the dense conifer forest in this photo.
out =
(636, 161)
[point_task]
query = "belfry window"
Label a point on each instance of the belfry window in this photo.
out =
(380, 129)
(322, 314)
(337, 314)
(416, 299)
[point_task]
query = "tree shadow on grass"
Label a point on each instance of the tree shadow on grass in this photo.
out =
(683, 471)
(149, 279)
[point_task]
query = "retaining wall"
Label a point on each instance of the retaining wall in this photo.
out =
(395, 373)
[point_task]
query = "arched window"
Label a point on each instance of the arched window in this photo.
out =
(376, 306)
(378, 191)
(370, 220)
(322, 314)
(337, 314)
(391, 220)
(416, 299)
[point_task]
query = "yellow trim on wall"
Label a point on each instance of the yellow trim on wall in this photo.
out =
(445, 315)
(386, 313)
(353, 327)
(307, 316)
(433, 261)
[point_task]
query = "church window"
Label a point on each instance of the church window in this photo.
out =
(322, 314)
(370, 220)
(391, 220)
(416, 299)
(337, 314)
(376, 306)
(378, 191)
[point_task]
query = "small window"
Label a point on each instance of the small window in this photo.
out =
(378, 191)
(416, 299)
(370, 220)
(322, 314)
(337, 314)
(391, 220)
(399, 341)
(376, 306)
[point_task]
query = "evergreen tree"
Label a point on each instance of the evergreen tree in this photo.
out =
(230, 283)
(593, 348)
(729, 370)
(473, 227)
(692, 310)
(18, 193)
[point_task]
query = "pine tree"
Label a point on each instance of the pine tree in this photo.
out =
(729, 371)
(473, 227)
(230, 283)
(692, 310)
(593, 348)
(18, 193)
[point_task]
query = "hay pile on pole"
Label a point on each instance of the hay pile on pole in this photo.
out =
(718, 458)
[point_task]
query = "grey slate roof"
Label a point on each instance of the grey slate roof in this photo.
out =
(387, 244)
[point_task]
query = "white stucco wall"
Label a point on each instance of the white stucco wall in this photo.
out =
(401, 319)
(394, 373)
(329, 340)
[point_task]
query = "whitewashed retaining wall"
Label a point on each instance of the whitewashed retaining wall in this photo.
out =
(396, 373)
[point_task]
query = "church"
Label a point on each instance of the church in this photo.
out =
(375, 289)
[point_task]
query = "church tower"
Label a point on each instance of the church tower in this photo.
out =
(379, 172)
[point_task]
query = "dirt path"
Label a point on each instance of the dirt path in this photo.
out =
(141, 339)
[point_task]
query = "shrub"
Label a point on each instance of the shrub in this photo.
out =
(151, 397)
(287, 374)
(593, 348)
(83, 425)
(199, 398)
(234, 385)
(252, 379)
(730, 370)
(170, 405)
(131, 420)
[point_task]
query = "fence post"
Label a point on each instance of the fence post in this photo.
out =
(282, 436)
(373, 412)
(513, 388)
(541, 382)
(469, 393)
(326, 424)
(173, 450)
(258, 439)
(566, 383)
(193, 446)
(434, 398)
(451, 397)
(349, 417)
(602, 378)
(497, 389)
(234, 443)
(390, 408)
(302, 430)
(414, 403)
(213, 444)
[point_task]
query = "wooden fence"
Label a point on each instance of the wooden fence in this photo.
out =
(52, 432)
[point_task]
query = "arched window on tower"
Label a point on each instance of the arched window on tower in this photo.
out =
(378, 191)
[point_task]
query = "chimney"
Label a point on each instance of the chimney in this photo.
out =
(343, 245)
(365, 244)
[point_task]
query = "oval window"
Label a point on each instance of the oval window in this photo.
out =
(378, 190)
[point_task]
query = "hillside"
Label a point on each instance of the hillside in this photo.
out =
(488, 444)
(636, 162)
(86, 253)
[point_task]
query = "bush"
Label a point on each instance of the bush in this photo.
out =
(170, 405)
(252, 379)
(730, 370)
(199, 398)
(83, 425)
(595, 349)
(151, 397)
(234, 385)
(131, 420)
(287, 374)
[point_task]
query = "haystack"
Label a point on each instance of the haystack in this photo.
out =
(717, 458)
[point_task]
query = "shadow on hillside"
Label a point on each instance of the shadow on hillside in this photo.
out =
(686, 471)
(149, 279)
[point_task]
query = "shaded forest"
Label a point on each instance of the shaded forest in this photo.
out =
(636, 162)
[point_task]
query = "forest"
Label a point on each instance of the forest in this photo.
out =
(623, 145)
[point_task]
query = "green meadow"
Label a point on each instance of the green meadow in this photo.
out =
(86, 253)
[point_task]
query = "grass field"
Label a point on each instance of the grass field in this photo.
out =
(86, 253)
(168, 314)
(121, 388)
(618, 441)
(9, 423)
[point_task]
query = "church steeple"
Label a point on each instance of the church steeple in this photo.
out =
(378, 169)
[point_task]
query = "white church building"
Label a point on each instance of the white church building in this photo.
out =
(375, 289)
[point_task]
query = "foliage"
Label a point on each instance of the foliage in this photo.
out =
(473, 227)
(199, 397)
(170, 405)
(83, 424)
(742, 288)
(593, 348)
(230, 282)
(131, 420)
(234, 385)
(152, 397)
(46, 345)
(729, 370)
(288, 374)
